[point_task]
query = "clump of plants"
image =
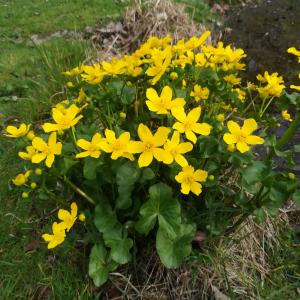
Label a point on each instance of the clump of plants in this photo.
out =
(157, 145)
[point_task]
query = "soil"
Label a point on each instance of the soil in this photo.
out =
(265, 31)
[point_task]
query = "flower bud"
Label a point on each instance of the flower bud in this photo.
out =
(122, 115)
(38, 171)
(25, 195)
(81, 217)
(70, 84)
(292, 176)
(211, 177)
(33, 185)
(231, 148)
(220, 117)
(30, 135)
(173, 75)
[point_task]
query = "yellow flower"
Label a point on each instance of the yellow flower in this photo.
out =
(188, 123)
(28, 155)
(295, 87)
(30, 135)
(149, 145)
(91, 148)
(286, 116)
(64, 120)
(47, 150)
(199, 93)
(93, 74)
(274, 85)
(116, 67)
(174, 150)
(294, 51)
(57, 237)
(190, 180)
(242, 137)
(82, 97)
(183, 84)
(160, 65)
(240, 94)
(117, 146)
(162, 104)
(68, 218)
(232, 79)
(21, 178)
(74, 71)
(16, 132)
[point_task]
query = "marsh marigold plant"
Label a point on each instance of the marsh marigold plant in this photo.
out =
(156, 146)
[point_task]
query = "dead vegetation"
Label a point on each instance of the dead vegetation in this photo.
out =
(234, 267)
(142, 20)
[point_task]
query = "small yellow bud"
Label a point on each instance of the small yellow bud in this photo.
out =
(122, 115)
(173, 75)
(70, 84)
(220, 117)
(211, 177)
(183, 83)
(38, 171)
(278, 125)
(129, 83)
(25, 195)
(292, 176)
(81, 217)
(231, 148)
(33, 185)
(30, 135)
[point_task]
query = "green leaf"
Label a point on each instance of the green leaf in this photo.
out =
(296, 197)
(128, 94)
(147, 174)
(254, 172)
(99, 265)
(278, 192)
(161, 206)
(114, 235)
(106, 220)
(67, 163)
(260, 215)
(127, 176)
(90, 168)
(172, 250)
(120, 249)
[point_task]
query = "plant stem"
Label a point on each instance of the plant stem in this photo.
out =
(78, 190)
(287, 135)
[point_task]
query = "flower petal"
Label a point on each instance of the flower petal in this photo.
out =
(229, 138)
(144, 132)
(249, 126)
(166, 93)
(233, 127)
(194, 114)
(202, 128)
(161, 136)
(254, 140)
(196, 188)
(242, 147)
(200, 175)
(145, 159)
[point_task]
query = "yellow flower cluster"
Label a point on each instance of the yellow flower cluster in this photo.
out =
(273, 85)
(295, 52)
(158, 55)
(59, 229)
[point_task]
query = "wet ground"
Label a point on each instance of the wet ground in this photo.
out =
(265, 31)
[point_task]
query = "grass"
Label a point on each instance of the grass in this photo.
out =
(23, 18)
(30, 82)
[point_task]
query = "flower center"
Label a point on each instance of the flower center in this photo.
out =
(148, 146)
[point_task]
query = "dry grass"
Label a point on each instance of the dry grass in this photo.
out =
(142, 20)
(235, 267)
